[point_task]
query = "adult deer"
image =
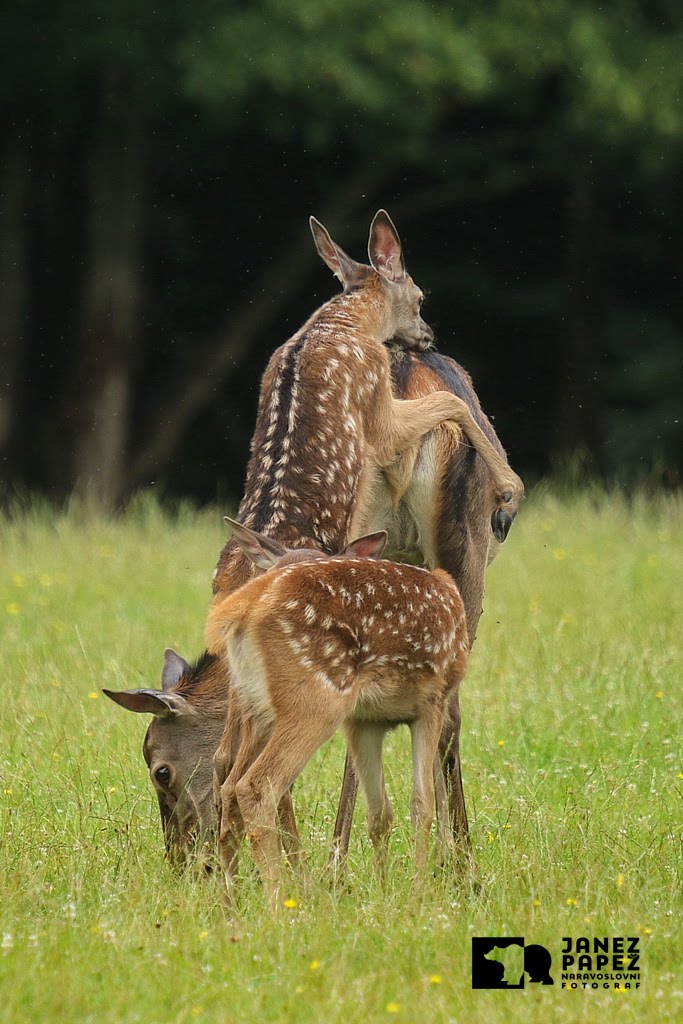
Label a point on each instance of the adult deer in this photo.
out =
(322, 641)
(327, 426)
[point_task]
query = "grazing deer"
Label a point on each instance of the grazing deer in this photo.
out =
(322, 641)
(327, 423)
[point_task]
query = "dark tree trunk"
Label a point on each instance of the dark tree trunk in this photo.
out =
(111, 320)
(13, 286)
(579, 427)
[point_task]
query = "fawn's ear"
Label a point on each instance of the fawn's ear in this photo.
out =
(174, 669)
(262, 550)
(371, 546)
(384, 248)
(341, 265)
(151, 702)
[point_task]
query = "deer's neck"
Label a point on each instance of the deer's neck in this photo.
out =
(359, 315)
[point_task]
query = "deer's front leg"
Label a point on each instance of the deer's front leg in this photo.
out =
(450, 751)
(344, 820)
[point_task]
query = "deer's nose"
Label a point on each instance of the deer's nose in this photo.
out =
(427, 333)
(501, 521)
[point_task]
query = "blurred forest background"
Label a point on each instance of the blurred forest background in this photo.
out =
(159, 167)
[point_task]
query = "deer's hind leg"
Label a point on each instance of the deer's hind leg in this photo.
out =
(365, 740)
(287, 752)
(231, 823)
(450, 750)
(425, 732)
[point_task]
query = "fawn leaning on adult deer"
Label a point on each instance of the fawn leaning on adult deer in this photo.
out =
(322, 641)
(327, 422)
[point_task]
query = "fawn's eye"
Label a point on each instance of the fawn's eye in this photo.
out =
(162, 775)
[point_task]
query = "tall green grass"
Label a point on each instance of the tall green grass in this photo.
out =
(573, 775)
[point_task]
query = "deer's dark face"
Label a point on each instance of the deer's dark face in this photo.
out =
(188, 721)
(179, 752)
(402, 299)
(406, 327)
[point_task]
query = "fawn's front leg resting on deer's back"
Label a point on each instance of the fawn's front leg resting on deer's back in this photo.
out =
(413, 418)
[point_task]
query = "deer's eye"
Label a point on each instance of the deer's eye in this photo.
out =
(162, 775)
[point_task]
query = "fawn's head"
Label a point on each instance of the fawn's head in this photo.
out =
(179, 746)
(401, 298)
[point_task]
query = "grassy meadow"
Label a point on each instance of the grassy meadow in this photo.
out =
(573, 775)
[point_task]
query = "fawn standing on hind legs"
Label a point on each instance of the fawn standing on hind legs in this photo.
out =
(323, 641)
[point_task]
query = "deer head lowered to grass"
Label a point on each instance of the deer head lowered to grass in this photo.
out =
(322, 641)
(327, 423)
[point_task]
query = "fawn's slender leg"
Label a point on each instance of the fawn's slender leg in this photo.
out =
(425, 732)
(450, 752)
(365, 741)
(344, 819)
(291, 841)
(259, 791)
(231, 824)
(415, 417)
(226, 757)
(442, 815)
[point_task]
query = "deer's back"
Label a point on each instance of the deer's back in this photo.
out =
(314, 430)
(338, 621)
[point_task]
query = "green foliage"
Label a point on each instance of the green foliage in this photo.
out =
(407, 66)
(572, 715)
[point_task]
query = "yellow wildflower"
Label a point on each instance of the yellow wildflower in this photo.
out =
(393, 1007)
(18, 580)
(94, 695)
(435, 979)
(314, 965)
(571, 902)
(12, 608)
(291, 904)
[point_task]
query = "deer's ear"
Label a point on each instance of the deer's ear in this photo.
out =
(371, 546)
(261, 550)
(384, 248)
(341, 265)
(151, 702)
(174, 669)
